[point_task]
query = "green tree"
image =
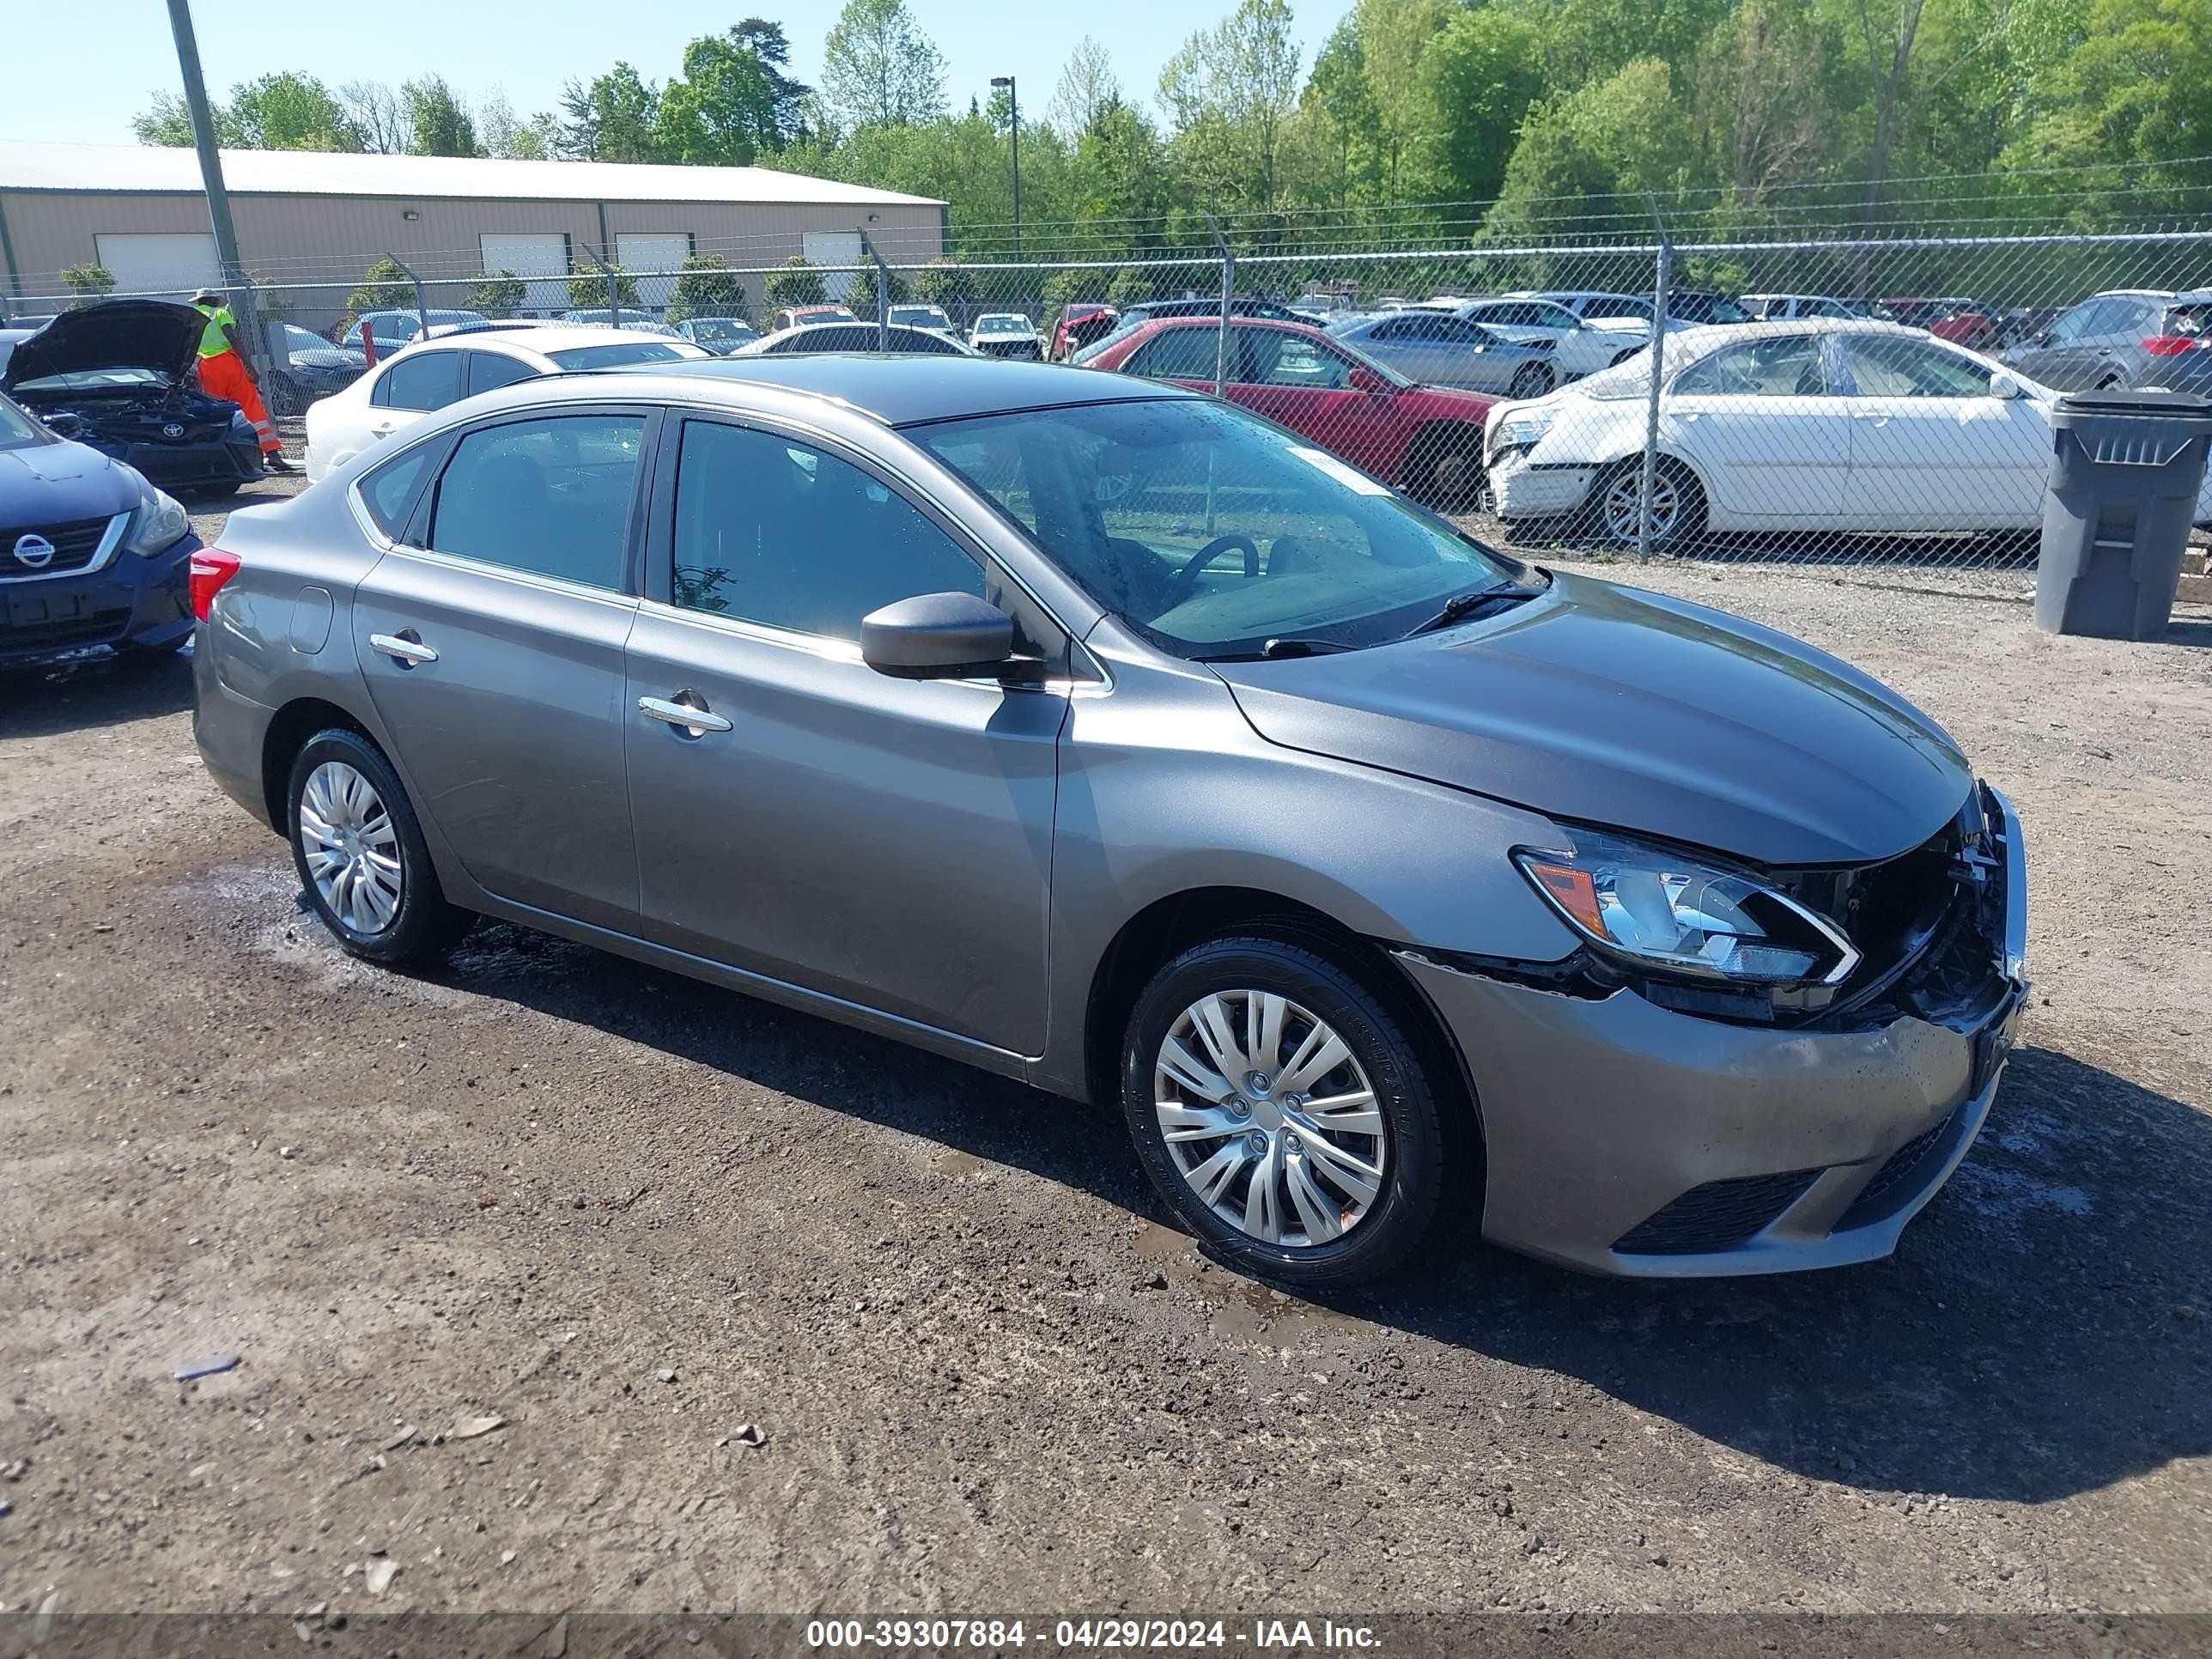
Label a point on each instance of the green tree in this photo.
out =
(1620, 137)
(1087, 87)
(766, 41)
(611, 118)
(945, 285)
(501, 132)
(1227, 94)
(878, 69)
(282, 111)
(587, 289)
(1062, 286)
(2135, 87)
(1132, 285)
(706, 287)
(1477, 79)
(793, 283)
(438, 123)
(721, 111)
(862, 299)
(88, 284)
(498, 293)
(384, 287)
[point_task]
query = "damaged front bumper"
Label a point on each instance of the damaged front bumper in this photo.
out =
(1626, 1138)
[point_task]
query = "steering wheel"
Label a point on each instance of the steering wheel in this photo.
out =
(1184, 582)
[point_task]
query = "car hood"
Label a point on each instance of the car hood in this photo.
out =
(58, 483)
(155, 334)
(1603, 705)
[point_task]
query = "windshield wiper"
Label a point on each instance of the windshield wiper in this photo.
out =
(1300, 647)
(1465, 607)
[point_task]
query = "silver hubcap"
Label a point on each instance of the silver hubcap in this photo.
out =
(352, 848)
(1623, 511)
(1270, 1118)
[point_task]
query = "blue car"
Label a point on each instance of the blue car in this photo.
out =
(90, 553)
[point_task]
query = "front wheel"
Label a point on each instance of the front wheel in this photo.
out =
(285, 396)
(1531, 380)
(1677, 505)
(361, 855)
(1282, 1112)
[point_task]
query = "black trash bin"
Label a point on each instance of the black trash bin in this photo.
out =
(2125, 469)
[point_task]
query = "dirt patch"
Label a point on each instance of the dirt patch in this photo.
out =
(628, 1214)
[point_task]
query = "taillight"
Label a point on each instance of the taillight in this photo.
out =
(209, 569)
(2170, 345)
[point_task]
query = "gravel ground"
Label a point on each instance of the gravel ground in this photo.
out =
(627, 1216)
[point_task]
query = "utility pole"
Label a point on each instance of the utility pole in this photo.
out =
(1014, 115)
(226, 237)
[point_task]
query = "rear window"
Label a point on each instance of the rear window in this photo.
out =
(2193, 320)
(576, 358)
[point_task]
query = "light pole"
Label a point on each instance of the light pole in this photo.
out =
(1014, 118)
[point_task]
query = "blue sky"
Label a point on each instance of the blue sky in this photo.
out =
(83, 70)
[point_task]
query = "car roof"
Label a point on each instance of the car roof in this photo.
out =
(902, 388)
(558, 337)
(1717, 333)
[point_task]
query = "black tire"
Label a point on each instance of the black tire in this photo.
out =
(1442, 468)
(1408, 1101)
(424, 926)
(1532, 380)
(285, 397)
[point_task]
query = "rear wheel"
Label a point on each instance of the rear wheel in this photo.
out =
(1282, 1112)
(285, 396)
(361, 855)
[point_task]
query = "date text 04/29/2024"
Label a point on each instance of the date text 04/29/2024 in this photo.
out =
(1085, 1635)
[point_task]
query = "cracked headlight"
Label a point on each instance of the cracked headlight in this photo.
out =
(1520, 431)
(1657, 909)
(157, 524)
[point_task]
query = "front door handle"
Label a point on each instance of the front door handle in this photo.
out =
(403, 649)
(1878, 416)
(690, 719)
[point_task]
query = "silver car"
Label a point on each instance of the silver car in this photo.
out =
(1109, 737)
(1441, 349)
(2130, 338)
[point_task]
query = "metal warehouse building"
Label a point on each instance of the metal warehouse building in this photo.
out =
(312, 222)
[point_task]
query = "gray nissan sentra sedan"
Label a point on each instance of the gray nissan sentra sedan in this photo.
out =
(1106, 737)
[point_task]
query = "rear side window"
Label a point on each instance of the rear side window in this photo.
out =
(429, 380)
(387, 491)
(488, 369)
(551, 496)
(577, 358)
(772, 532)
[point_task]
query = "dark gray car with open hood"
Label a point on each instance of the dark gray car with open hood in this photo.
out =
(119, 376)
(1109, 737)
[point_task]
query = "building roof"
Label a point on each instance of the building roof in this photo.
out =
(152, 169)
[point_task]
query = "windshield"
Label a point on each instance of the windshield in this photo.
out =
(718, 328)
(614, 356)
(18, 430)
(96, 379)
(1212, 532)
(1002, 325)
(920, 316)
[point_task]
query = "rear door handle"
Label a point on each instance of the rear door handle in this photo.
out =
(403, 649)
(1878, 416)
(694, 720)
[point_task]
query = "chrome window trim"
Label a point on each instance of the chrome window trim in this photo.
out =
(103, 554)
(612, 596)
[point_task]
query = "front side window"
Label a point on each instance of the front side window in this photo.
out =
(490, 369)
(1210, 532)
(1273, 356)
(1177, 354)
(1786, 367)
(774, 532)
(1885, 366)
(429, 379)
(550, 498)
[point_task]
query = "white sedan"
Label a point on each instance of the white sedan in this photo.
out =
(408, 385)
(1005, 334)
(1813, 424)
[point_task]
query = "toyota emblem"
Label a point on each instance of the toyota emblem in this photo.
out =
(173, 430)
(33, 552)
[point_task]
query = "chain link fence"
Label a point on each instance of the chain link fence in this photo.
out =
(1812, 397)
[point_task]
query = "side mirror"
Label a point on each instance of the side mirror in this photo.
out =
(936, 636)
(2005, 387)
(1366, 380)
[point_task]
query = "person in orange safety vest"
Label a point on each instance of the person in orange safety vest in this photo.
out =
(224, 374)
